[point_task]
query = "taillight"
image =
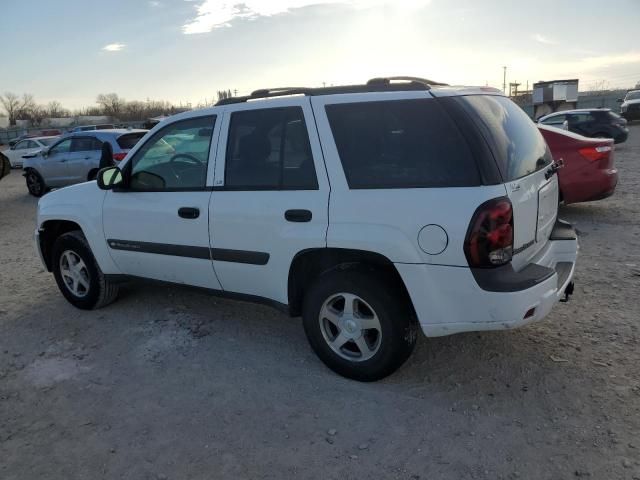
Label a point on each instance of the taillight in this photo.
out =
(594, 154)
(489, 241)
(119, 156)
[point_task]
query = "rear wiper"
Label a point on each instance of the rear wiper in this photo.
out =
(555, 166)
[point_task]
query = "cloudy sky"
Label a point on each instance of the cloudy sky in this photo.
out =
(186, 50)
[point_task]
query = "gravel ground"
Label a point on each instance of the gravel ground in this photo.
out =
(170, 383)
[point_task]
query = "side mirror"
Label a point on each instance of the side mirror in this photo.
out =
(619, 100)
(565, 125)
(109, 178)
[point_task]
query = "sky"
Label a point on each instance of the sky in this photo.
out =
(185, 51)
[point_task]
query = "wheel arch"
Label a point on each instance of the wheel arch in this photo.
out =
(307, 265)
(49, 231)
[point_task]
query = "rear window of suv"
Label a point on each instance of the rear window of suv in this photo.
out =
(517, 144)
(128, 140)
(401, 144)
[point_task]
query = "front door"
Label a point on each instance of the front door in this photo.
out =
(53, 167)
(270, 198)
(157, 226)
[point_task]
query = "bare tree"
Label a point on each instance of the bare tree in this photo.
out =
(111, 103)
(55, 110)
(11, 103)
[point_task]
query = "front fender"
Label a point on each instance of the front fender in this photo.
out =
(80, 204)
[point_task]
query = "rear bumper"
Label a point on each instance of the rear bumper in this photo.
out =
(590, 185)
(450, 300)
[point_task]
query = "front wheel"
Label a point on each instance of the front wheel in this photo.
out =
(360, 326)
(78, 275)
(35, 183)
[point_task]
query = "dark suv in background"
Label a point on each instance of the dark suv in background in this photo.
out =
(596, 122)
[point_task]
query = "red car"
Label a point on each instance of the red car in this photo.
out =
(588, 172)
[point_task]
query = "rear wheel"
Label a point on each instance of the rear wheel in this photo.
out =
(35, 183)
(359, 326)
(78, 275)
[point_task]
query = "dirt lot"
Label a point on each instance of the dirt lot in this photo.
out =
(171, 383)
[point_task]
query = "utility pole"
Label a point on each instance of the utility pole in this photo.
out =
(504, 79)
(235, 92)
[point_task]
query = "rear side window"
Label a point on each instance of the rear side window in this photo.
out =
(401, 144)
(516, 142)
(268, 149)
(128, 140)
(85, 144)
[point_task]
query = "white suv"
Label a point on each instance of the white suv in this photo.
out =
(367, 209)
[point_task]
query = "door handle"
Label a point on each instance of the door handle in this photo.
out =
(189, 212)
(63, 160)
(298, 215)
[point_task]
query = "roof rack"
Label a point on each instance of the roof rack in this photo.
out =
(380, 84)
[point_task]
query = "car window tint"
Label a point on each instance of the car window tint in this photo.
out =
(32, 144)
(82, 144)
(269, 149)
(22, 145)
(128, 140)
(401, 144)
(518, 145)
(48, 141)
(555, 120)
(176, 157)
(63, 147)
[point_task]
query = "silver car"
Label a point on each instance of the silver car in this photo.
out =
(75, 158)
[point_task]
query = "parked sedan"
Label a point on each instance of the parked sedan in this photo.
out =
(28, 146)
(588, 173)
(594, 122)
(75, 158)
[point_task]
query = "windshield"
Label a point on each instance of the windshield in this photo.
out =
(633, 95)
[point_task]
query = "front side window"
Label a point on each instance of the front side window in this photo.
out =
(401, 144)
(176, 157)
(63, 147)
(555, 120)
(48, 141)
(268, 149)
(23, 145)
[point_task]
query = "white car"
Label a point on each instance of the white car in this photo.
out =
(28, 146)
(368, 210)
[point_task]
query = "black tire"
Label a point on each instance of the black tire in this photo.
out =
(389, 303)
(35, 183)
(100, 291)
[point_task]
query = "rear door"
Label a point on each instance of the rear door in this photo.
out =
(524, 161)
(270, 196)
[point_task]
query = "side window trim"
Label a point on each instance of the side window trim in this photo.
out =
(140, 150)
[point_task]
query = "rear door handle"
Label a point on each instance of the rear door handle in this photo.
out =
(298, 215)
(189, 212)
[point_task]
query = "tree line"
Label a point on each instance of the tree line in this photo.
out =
(111, 105)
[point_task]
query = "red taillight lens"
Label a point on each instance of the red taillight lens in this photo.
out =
(594, 154)
(118, 157)
(489, 241)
